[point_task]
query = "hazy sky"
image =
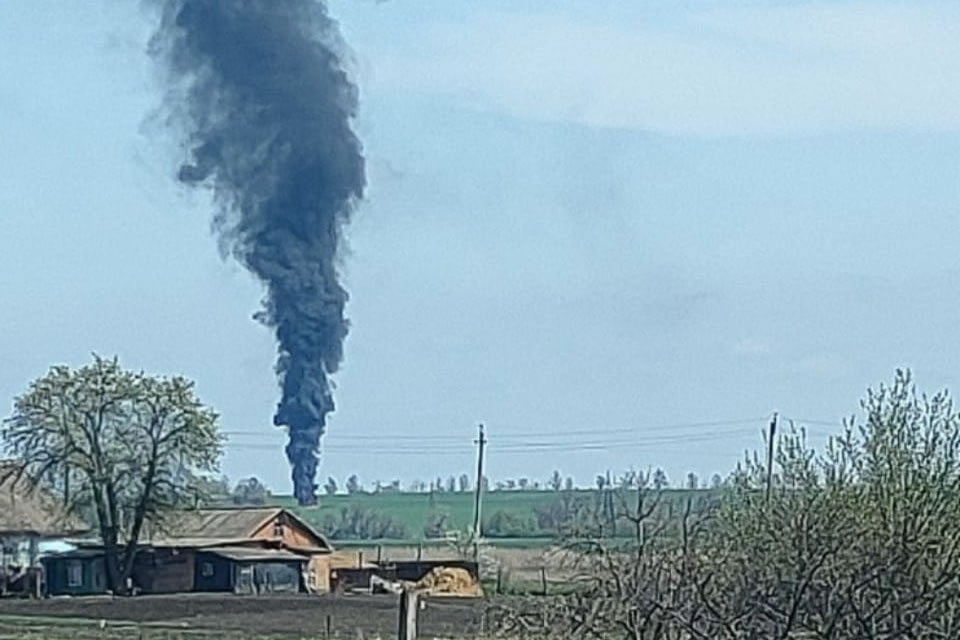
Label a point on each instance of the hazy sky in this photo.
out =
(591, 222)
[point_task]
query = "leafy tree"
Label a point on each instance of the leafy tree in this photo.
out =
(505, 524)
(556, 481)
(355, 523)
(716, 481)
(212, 487)
(511, 485)
(134, 445)
(523, 483)
(353, 484)
(330, 488)
(484, 484)
(693, 482)
(464, 483)
(250, 492)
(451, 484)
(568, 484)
(660, 480)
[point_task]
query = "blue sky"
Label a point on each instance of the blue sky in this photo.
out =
(599, 217)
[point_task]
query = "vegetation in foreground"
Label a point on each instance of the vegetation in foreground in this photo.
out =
(857, 542)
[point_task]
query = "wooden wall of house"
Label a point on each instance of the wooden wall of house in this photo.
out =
(213, 573)
(318, 573)
(165, 570)
(93, 576)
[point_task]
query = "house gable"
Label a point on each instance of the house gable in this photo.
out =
(292, 531)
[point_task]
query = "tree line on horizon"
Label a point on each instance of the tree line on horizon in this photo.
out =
(252, 491)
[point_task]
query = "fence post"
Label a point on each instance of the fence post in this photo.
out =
(409, 606)
(328, 627)
(499, 579)
(543, 579)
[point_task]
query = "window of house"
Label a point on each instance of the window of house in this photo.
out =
(278, 529)
(206, 569)
(74, 573)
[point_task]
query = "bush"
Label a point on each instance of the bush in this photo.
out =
(437, 526)
(354, 523)
(857, 542)
(503, 524)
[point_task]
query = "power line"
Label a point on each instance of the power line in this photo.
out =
(331, 445)
(822, 423)
(525, 448)
(518, 434)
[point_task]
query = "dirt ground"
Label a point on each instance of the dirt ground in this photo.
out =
(249, 617)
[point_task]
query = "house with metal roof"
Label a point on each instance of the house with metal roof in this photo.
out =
(31, 520)
(229, 550)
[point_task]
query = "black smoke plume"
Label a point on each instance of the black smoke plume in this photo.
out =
(259, 92)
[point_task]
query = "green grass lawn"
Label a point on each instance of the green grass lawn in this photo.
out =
(414, 510)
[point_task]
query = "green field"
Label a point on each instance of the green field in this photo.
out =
(414, 510)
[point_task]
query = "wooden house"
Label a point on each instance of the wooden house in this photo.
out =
(235, 550)
(30, 519)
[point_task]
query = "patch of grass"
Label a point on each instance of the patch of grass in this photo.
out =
(414, 510)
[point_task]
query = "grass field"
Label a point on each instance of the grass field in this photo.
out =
(414, 510)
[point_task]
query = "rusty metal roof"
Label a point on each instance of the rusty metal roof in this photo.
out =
(229, 524)
(208, 527)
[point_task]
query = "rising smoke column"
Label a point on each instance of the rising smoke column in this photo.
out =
(258, 91)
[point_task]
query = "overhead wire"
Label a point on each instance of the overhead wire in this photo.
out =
(523, 442)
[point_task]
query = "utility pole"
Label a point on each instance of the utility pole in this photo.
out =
(481, 442)
(770, 437)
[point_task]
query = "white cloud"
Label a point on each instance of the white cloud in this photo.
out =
(793, 69)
